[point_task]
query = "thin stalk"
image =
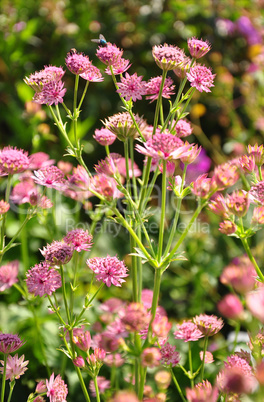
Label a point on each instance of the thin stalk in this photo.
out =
(3, 379)
(65, 295)
(24, 242)
(134, 272)
(84, 389)
(205, 348)
(260, 173)
(75, 108)
(177, 385)
(252, 259)
(75, 270)
(96, 389)
(107, 150)
(3, 228)
(12, 385)
(237, 329)
(144, 187)
(127, 167)
(159, 101)
(88, 303)
(83, 95)
(139, 271)
(163, 210)
(131, 148)
(190, 364)
(61, 128)
(155, 300)
(143, 373)
(150, 186)
(55, 309)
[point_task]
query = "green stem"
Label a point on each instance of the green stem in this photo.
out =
(88, 303)
(260, 173)
(61, 128)
(75, 108)
(237, 329)
(177, 385)
(65, 295)
(75, 270)
(83, 95)
(84, 389)
(205, 348)
(252, 259)
(127, 166)
(40, 339)
(134, 275)
(96, 389)
(12, 385)
(24, 242)
(144, 188)
(159, 100)
(163, 210)
(3, 379)
(190, 364)
(131, 144)
(3, 226)
(143, 373)
(56, 310)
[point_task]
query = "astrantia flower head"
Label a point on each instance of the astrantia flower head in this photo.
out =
(109, 54)
(153, 88)
(163, 146)
(108, 269)
(80, 178)
(218, 206)
(151, 357)
(57, 390)
(10, 343)
(198, 48)
(105, 185)
(188, 331)
(226, 175)
(93, 74)
(82, 339)
(247, 163)
(122, 125)
(168, 57)
(52, 93)
(43, 280)
(202, 186)
(227, 227)
(104, 136)
(169, 356)
(192, 154)
(8, 275)
(257, 218)
(13, 160)
(39, 160)
(4, 207)
(79, 239)
(256, 193)
(119, 66)
(230, 306)
(255, 304)
(77, 63)
(183, 128)
(238, 203)
(15, 367)
(240, 275)
(181, 69)
(208, 324)
(40, 78)
(202, 392)
(50, 176)
(201, 78)
(134, 317)
(258, 153)
(57, 253)
(132, 86)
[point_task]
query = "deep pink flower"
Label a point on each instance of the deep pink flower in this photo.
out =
(15, 367)
(77, 63)
(79, 361)
(202, 392)
(93, 74)
(198, 48)
(104, 136)
(109, 54)
(50, 176)
(151, 357)
(116, 164)
(40, 78)
(79, 239)
(132, 86)
(208, 324)
(188, 331)
(10, 343)
(57, 253)
(52, 93)
(169, 356)
(103, 384)
(43, 280)
(13, 160)
(4, 207)
(8, 275)
(168, 57)
(153, 88)
(163, 146)
(108, 269)
(39, 160)
(201, 78)
(22, 191)
(183, 128)
(57, 390)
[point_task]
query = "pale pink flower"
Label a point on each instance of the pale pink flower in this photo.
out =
(230, 306)
(188, 331)
(169, 356)
(202, 186)
(183, 128)
(134, 317)
(255, 304)
(50, 176)
(125, 396)
(168, 57)
(8, 275)
(39, 160)
(114, 360)
(13, 160)
(208, 324)
(4, 207)
(57, 390)
(65, 167)
(93, 74)
(256, 193)
(40, 78)
(226, 175)
(208, 357)
(57, 253)
(43, 280)
(105, 185)
(119, 66)
(241, 275)
(198, 48)
(41, 387)
(153, 88)
(258, 152)
(247, 163)
(10, 343)
(109, 54)
(103, 385)
(112, 305)
(191, 154)
(163, 146)
(108, 269)
(15, 367)
(238, 202)
(257, 217)
(104, 136)
(227, 227)
(132, 86)
(80, 178)
(52, 93)
(115, 163)
(202, 392)
(22, 191)
(151, 357)
(161, 326)
(146, 298)
(77, 63)
(218, 206)
(122, 125)
(82, 339)
(181, 69)
(79, 239)
(95, 359)
(201, 78)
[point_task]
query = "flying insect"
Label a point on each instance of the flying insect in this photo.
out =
(101, 40)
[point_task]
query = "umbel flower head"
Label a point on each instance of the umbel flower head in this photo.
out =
(198, 48)
(188, 331)
(15, 367)
(79, 239)
(132, 86)
(13, 160)
(57, 390)
(104, 136)
(134, 317)
(57, 253)
(108, 269)
(153, 88)
(201, 78)
(10, 343)
(76, 62)
(202, 392)
(43, 280)
(208, 324)
(50, 176)
(167, 56)
(8, 275)
(122, 125)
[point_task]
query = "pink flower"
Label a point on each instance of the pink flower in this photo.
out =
(77, 63)
(52, 93)
(202, 186)
(151, 357)
(39, 160)
(112, 305)
(208, 324)
(122, 125)
(134, 317)
(183, 128)
(79, 239)
(106, 186)
(240, 275)
(13, 160)
(40, 78)
(256, 193)
(43, 280)
(257, 152)
(208, 357)
(10, 343)
(104, 136)
(227, 227)
(202, 392)
(255, 303)
(15, 367)
(218, 206)
(119, 66)
(201, 78)
(125, 396)
(238, 203)
(163, 146)
(103, 384)
(8, 275)
(168, 57)
(22, 191)
(191, 154)
(247, 163)
(226, 175)
(109, 54)
(50, 176)
(4, 207)
(169, 356)
(230, 306)
(153, 88)
(181, 69)
(108, 269)
(93, 74)
(57, 390)
(258, 216)
(188, 331)
(114, 360)
(79, 361)
(132, 86)
(57, 253)
(82, 339)
(161, 326)
(80, 178)
(198, 48)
